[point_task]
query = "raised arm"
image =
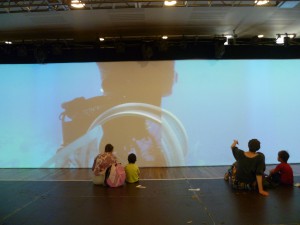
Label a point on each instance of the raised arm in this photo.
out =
(235, 142)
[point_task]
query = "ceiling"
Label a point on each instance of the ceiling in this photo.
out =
(54, 31)
(56, 19)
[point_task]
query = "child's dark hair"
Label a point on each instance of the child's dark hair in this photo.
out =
(109, 148)
(253, 145)
(284, 155)
(131, 158)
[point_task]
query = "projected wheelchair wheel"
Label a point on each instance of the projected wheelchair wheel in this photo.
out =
(170, 144)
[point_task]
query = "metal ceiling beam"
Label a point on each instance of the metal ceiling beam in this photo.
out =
(23, 6)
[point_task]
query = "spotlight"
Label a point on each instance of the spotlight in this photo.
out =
(219, 47)
(291, 35)
(170, 3)
(120, 48)
(257, 39)
(40, 54)
(22, 51)
(163, 46)
(227, 36)
(284, 38)
(286, 41)
(279, 39)
(147, 52)
(77, 4)
(57, 49)
(261, 2)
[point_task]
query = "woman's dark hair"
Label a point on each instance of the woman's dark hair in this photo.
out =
(109, 148)
(284, 155)
(253, 145)
(131, 158)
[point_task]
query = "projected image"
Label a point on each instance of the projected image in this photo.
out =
(127, 114)
(169, 113)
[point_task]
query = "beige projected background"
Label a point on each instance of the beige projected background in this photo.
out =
(128, 115)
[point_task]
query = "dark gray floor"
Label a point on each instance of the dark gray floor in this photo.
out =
(162, 202)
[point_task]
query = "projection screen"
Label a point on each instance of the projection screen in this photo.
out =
(170, 113)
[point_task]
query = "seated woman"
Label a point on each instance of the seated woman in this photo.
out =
(101, 163)
(248, 170)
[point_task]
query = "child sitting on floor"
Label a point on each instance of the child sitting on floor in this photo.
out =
(231, 173)
(132, 170)
(282, 174)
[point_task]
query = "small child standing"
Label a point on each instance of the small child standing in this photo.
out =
(132, 170)
(283, 173)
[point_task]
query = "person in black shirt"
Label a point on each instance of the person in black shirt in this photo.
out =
(249, 166)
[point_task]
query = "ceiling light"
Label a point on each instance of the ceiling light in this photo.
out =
(261, 2)
(164, 37)
(227, 36)
(170, 3)
(219, 47)
(260, 36)
(280, 39)
(77, 4)
(291, 35)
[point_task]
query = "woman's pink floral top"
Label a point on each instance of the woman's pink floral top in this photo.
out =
(103, 161)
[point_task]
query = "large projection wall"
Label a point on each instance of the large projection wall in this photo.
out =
(170, 113)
